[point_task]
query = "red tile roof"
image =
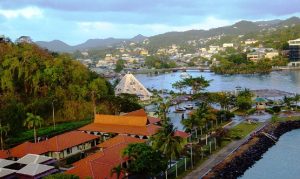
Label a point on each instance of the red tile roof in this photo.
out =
(153, 120)
(54, 144)
(140, 112)
(120, 139)
(29, 148)
(121, 120)
(69, 139)
(182, 134)
(99, 165)
(4, 154)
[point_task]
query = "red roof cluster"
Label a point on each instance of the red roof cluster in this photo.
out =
(54, 144)
(182, 134)
(135, 122)
(99, 165)
(4, 154)
(120, 139)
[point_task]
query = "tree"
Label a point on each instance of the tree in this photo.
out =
(179, 86)
(3, 132)
(120, 65)
(144, 160)
(98, 88)
(197, 84)
(243, 100)
(219, 134)
(33, 121)
(166, 142)
(296, 99)
(118, 170)
(162, 111)
(61, 176)
(191, 123)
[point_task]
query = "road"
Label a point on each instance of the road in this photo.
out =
(214, 159)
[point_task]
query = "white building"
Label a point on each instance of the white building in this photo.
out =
(226, 45)
(129, 84)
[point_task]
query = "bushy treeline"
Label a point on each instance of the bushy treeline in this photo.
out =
(36, 81)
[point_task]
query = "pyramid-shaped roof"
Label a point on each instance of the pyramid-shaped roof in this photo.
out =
(129, 84)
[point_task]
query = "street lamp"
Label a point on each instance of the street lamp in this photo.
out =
(53, 113)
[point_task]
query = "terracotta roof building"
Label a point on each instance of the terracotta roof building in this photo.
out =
(4, 154)
(135, 124)
(99, 165)
(120, 139)
(58, 147)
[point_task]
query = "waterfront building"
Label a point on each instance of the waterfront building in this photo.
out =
(294, 54)
(135, 124)
(271, 55)
(255, 56)
(130, 85)
(100, 164)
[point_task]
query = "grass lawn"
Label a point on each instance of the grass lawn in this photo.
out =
(201, 161)
(282, 119)
(242, 130)
(46, 131)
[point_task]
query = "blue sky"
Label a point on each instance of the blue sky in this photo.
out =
(75, 21)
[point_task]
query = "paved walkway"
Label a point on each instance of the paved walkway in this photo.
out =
(214, 159)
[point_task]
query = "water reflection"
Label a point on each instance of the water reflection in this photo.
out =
(281, 80)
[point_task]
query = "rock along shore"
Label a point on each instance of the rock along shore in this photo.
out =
(245, 156)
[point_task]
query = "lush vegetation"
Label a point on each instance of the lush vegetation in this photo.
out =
(47, 131)
(239, 64)
(159, 62)
(61, 176)
(145, 161)
(120, 65)
(53, 86)
(197, 84)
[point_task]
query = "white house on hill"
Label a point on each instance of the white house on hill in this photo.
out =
(129, 84)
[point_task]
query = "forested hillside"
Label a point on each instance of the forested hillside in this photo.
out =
(36, 81)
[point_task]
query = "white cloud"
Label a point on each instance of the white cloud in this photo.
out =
(27, 12)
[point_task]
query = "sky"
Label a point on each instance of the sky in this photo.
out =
(75, 21)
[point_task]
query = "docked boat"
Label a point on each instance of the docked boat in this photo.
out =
(185, 75)
(189, 106)
(180, 109)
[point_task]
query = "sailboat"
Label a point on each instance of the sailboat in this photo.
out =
(185, 75)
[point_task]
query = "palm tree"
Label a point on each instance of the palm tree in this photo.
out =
(166, 142)
(118, 170)
(191, 123)
(33, 121)
(296, 99)
(201, 114)
(3, 132)
(163, 110)
(287, 101)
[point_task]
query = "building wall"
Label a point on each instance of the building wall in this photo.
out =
(73, 150)
(294, 53)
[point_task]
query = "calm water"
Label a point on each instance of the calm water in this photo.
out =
(281, 161)
(281, 80)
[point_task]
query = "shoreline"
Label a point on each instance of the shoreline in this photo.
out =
(247, 154)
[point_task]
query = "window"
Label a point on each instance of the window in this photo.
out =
(69, 150)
